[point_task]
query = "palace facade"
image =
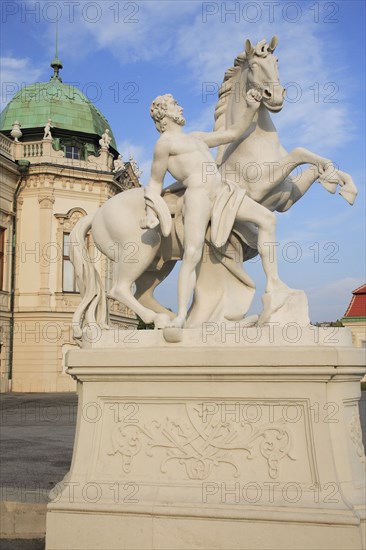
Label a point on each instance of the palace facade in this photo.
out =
(58, 162)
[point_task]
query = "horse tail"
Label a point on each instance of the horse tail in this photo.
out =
(92, 309)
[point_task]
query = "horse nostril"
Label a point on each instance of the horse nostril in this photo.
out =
(267, 93)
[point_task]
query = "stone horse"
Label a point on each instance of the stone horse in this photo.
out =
(259, 164)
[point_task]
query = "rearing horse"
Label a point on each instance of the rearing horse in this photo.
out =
(259, 164)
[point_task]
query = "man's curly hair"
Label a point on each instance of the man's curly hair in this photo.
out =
(159, 112)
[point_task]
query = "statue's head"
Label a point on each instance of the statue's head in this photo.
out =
(163, 107)
(263, 72)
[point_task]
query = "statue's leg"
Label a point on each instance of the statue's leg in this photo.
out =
(251, 211)
(146, 284)
(197, 213)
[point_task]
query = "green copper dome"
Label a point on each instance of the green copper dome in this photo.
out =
(65, 105)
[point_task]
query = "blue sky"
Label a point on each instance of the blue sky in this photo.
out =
(123, 54)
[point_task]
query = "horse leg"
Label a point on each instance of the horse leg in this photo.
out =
(322, 169)
(290, 191)
(121, 292)
(146, 284)
(126, 274)
(281, 169)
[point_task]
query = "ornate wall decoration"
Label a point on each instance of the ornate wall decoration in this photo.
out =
(356, 436)
(69, 220)
(201, 446)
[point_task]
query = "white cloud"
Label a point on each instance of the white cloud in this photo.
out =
(132, 31)
(15, 74)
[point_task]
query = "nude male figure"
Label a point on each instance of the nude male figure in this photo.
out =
(47, 129)
(185, 156)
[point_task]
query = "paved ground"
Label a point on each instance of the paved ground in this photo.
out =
(37, 436)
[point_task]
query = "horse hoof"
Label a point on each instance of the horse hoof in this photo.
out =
(348, 195)
(330, 186)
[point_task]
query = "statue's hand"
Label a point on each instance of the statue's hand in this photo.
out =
(149, 222)
(253, 98)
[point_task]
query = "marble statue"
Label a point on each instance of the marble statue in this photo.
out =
(118, 164)
(105, 140)
(231, 431)
(211, 221)
(47, 130)
(135, 167)
(207, 198)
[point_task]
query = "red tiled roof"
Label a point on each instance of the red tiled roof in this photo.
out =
(357, 306)
(360, 290)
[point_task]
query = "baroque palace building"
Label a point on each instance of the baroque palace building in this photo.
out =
(59, 162)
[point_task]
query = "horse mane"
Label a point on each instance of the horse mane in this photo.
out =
(225, 90)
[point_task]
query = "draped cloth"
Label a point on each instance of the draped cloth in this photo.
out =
(223, 291)
(224, 212)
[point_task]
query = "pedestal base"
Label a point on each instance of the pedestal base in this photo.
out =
(232, 446)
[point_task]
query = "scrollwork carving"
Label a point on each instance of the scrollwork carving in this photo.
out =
(202, 446)
(356, 436)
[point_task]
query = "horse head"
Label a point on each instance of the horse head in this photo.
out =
(263, 73)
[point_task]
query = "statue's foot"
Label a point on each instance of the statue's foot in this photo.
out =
(249, 321)
(161, 320)
(276, 285)
(178, 322)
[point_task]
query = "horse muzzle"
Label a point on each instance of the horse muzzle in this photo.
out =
(273, 98)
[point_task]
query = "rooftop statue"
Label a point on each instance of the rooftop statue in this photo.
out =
(135, 167)
(211, 221)
(47, 129)
(118, 164)
(105, 140)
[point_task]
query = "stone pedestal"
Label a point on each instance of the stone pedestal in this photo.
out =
(215, 445)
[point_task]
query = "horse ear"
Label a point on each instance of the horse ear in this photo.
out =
(273, 43)
(248, 47)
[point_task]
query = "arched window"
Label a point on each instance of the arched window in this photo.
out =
(66, 278)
